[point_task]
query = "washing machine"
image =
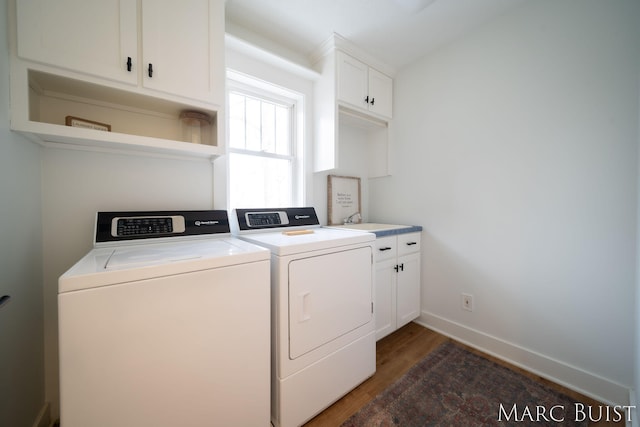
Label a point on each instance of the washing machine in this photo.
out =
(165, 322)
(323, 332)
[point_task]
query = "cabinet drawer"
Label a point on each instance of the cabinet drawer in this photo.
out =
(408, 243)
(386, 247)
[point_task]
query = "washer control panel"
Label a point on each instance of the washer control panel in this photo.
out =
(126, 226)
(134, 226)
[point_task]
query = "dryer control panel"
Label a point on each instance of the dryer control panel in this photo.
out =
(256, 219)
(265, 219)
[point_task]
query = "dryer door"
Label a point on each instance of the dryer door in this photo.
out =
(329, 296)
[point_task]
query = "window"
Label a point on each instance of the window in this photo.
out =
(263, 149)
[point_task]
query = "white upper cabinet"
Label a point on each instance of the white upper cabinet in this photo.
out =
(363, 87)
(90, 36)
(380, 93)
(352, 80)
(179, 42)
(179, 48)
(353, 101)
(132, 66)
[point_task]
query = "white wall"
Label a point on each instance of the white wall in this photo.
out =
(77, 184)
(516, 149)
(353, 162)
(22, 394)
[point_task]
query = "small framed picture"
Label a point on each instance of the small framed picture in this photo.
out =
(77, 122)
(344, 198)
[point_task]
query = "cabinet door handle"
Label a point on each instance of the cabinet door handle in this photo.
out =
(411, 243)
(372, 100)
(150, 70)
(366, 100)
(384, 249)
(129, 63)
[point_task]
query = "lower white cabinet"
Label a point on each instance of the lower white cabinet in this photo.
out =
(397, 292)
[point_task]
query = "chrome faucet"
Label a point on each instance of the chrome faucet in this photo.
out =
(354, 218)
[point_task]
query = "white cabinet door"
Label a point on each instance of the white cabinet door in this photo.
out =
(91, 36)
(380, 93)
(385, 294)
(352, 81)
(397, 289)
(408, 289)
(181, 44)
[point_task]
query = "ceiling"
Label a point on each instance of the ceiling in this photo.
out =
(393, 31)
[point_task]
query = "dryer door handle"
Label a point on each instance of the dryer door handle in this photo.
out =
(305, 307)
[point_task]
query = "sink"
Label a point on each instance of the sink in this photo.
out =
(370, 226)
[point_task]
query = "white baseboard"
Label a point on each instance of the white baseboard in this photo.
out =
(42, 420)
(574, 378)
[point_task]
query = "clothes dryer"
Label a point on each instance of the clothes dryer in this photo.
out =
(323, 332)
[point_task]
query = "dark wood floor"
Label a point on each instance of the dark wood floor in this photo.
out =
(397, 353)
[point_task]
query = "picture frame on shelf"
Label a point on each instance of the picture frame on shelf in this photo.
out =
(86, 124)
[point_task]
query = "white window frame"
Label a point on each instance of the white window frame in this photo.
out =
(243, 83)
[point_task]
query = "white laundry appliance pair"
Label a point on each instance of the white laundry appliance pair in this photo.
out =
(166, 322)
(323, 331)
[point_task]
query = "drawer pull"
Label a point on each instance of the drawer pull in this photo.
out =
(411, 243)
(387, 248)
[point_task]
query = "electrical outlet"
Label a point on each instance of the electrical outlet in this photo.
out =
(467, 302)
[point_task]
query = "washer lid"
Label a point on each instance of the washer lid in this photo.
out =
(140, 256)
(120, 264)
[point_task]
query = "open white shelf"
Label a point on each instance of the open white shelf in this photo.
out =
(138, 121)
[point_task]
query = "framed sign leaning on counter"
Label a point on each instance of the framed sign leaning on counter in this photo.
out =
(343, 194)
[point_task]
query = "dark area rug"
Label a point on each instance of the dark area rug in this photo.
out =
(455, 387)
